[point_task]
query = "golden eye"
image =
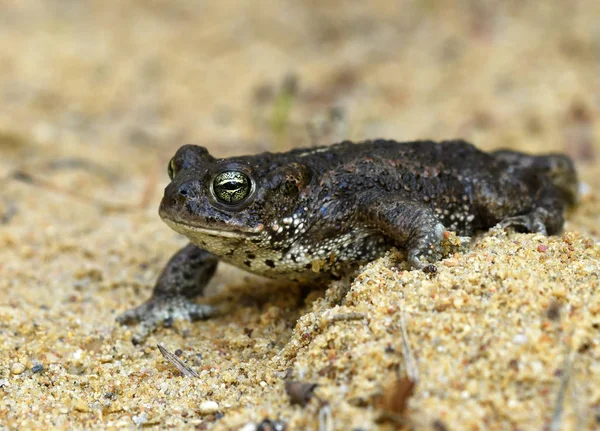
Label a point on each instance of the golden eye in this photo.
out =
(171, 169)
(232, 187)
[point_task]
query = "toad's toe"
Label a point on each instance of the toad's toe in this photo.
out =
(163, 311)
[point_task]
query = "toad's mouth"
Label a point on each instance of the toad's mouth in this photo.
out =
(186, 228)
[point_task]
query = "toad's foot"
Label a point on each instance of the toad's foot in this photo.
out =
(163, 310)
(425, 248)
(184, 278)
(411, 224)
(532, 222)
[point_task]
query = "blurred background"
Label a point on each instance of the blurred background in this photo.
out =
(96, 96)
(95, 93)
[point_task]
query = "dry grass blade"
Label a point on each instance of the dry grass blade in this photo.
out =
(579, 405)
(183, 368)
(325, 418)
(346, 317)
(409, 358)
(560, 397)
(106, 206)
(394, 400)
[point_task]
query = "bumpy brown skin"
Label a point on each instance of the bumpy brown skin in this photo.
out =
(322, 212)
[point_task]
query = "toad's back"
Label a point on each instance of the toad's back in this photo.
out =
(468, 189)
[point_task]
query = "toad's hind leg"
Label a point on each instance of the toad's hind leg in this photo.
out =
(547, 217)
(185, 277)
(410, 225)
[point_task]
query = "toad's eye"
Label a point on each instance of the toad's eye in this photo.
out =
(171, 169)
(231, 187)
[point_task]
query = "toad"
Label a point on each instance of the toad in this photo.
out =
(314, 214)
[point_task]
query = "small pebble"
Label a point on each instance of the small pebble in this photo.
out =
(451, 262)
(457, 302)
(542, 248)
(520, 339)
(37, 368)
(17, 368)
(300, 392)
(140, 419)
(81, 406)
(208, 407)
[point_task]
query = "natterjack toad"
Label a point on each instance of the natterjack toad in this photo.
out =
(322, 212)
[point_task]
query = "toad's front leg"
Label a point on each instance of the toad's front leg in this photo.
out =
(408, 224)
(185, 277)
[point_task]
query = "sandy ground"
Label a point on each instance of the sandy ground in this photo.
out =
(96, 96)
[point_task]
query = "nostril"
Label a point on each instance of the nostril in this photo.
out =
(183, 191)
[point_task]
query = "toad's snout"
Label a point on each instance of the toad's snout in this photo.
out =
(179, 198)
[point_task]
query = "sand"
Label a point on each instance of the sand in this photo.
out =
(95, 98)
